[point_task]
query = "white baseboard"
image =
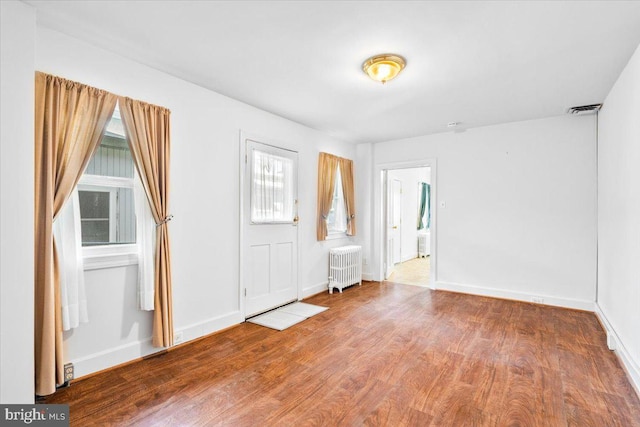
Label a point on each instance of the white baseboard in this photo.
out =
(323, 287)
(210, 326)
(409, 257)
(517, 296)
(131, 351)
(616, 344)
(315, 289)
(111, 357)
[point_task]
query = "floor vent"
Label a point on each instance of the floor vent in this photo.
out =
(584, 109)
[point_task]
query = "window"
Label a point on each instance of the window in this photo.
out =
(336, 201)
(97, 212)
(337, 218)
(105, 191)
(272, 186)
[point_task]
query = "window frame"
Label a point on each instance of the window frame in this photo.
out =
(107, 256)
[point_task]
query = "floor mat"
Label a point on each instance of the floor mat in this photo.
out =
(287, 316)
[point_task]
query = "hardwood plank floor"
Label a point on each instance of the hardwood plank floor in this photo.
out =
(384, 354)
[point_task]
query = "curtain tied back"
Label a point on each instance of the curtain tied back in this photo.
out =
(148, 133)
(165, 220)
(70, 119)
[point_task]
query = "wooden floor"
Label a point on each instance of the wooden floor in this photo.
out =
(383, 354)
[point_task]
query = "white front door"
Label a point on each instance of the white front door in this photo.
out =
(270, 243)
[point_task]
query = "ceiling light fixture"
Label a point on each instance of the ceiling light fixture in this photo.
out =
(383, 68)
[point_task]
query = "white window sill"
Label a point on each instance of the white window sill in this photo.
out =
(99, 257)
(336, 236)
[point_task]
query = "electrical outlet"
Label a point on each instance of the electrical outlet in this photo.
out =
(538, 300)
(178, 338)
(68, 372)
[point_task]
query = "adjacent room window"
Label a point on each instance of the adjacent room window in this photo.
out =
(105, 191)
(337, 218)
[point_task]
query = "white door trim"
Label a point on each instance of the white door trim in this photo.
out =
(243, 137)
(379, 221)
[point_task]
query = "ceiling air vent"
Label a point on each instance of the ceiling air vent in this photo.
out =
(584, 109)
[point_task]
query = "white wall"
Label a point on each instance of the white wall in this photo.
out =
(619, 215)
(410, 178)
(364, 184)
(520, 215)
(205, 200)
(16, 204)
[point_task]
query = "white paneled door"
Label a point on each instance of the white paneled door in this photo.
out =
(270, 263)
(396, 216)
(394, 224)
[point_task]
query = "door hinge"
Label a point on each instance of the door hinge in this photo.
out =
(245, 292)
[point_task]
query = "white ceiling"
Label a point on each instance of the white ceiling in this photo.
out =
(477, 62)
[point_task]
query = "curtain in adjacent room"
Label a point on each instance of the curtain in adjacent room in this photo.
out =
(428, 197)
(327, 166)
(346, 172)
(423, 205)
(424, 218)
(147, 130)
(70, 119)
(68, 236)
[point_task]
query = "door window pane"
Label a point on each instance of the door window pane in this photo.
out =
(271, 188)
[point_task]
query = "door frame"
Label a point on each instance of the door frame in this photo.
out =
(379, 215)
(243, 137)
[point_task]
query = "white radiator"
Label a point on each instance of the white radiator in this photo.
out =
(345, 267)
(424, 244)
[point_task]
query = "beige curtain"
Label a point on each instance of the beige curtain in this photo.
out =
(70, 119)
(327, 165)
(346, 171)
(147, 129)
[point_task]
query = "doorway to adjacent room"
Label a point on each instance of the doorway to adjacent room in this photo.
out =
(408, 221)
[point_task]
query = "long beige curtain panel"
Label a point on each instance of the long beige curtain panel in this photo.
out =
(70, 119)
(148, 132)
(327, 167)
(346, 171)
